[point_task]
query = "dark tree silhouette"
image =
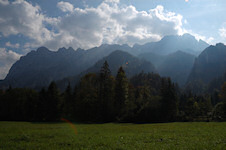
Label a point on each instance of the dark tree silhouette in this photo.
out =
(169, 100)
(106, 93)
(121, 92)
(52, 101)
(146, 97)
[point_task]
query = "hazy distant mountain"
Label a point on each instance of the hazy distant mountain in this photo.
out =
(155, 59)
(177, 66)
(210, 64)
(38, 68)
(131, 64)
(94, 54)
(170, 44)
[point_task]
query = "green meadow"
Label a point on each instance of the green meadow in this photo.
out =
(55, 136)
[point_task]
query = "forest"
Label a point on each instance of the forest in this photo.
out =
(101, 98)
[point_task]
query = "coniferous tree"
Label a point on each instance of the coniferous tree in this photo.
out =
(52, 101)
(143, 104)
(215, 97)
(2, 105)
(89, 106)
(223, 98)
(42, 106)
(121, 92)
(169, 101)
(105, 71)
(189, 109)
(67, 103)
(205, 106)
(75, 104)
(106, 93)
(130, 106)
(223, 93)
(32, 100)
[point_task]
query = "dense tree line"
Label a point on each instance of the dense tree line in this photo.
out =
(146, 97)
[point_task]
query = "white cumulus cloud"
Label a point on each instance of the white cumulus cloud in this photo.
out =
(21, 17)
(222, 32)
(65, 6)
(112, 1)
(111, 23)
(8, 44)
(107, 23)
(7, 58)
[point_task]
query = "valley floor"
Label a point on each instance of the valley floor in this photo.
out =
(34, 136)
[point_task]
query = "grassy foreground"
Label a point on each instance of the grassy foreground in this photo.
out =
(34, 136)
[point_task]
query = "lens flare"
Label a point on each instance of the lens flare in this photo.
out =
(71, 124)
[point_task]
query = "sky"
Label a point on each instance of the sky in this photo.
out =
(26, 25)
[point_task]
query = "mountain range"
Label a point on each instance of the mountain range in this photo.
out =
(173, 56)
(177, 66)
(209, 65)
(169, 44)
(38, 68)
(131, 64)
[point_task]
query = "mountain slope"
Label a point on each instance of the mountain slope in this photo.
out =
(170, 44)
(155, 59)
(131, 64)
(38, 68)
(177, 66)
(210, 64)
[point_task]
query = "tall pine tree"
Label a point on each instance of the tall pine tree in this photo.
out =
(106, 93)
(53, 99)
(169, 101)
(89, 107)
(223, 98)
(121, 92)
(67, 105)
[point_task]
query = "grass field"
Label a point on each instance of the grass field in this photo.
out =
(54, 136)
